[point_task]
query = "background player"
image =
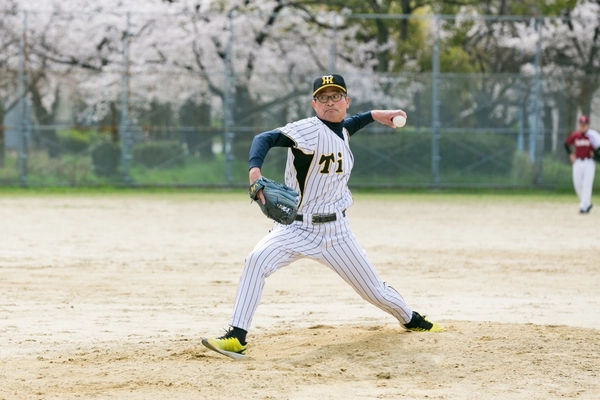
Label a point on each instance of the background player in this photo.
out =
(585, 141)
(318, 167)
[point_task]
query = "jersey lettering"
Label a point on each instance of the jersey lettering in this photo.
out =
(327, 160)
(582, 142)
(339, 168)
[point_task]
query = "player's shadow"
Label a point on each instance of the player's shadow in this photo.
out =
(325, 345)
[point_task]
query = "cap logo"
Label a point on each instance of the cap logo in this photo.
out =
(327, 80)
(332, 80)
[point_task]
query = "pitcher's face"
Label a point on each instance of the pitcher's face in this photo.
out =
(331, 105)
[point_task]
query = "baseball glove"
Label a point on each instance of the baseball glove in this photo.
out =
(281, 201)
(597, 155)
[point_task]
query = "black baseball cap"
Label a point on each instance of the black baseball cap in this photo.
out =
(325, 81)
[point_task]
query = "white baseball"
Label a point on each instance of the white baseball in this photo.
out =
(399, 121)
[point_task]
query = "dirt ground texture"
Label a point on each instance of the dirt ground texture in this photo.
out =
(107, 296)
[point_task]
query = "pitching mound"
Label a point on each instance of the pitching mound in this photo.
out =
(469, 361)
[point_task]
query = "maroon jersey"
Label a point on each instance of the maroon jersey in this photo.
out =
(583, 145)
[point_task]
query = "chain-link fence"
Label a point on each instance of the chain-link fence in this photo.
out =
(144, 99)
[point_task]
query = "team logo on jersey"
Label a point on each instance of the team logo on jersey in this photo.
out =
(326, 161)
(582, 142)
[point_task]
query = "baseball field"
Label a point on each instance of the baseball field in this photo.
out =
(106, 295)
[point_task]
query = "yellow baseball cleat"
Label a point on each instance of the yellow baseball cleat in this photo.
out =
(419, 323)
(228, 345)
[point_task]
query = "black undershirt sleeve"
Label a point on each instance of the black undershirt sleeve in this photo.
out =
(568, 148)
(357, 122)
(262, 143)
(352, 124)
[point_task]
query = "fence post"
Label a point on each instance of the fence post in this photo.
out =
(521, 134)
(332, 47)
(535, 128)
(539, 123)
(228, 105)
(124, 132)
(22, 108)
(435, 106)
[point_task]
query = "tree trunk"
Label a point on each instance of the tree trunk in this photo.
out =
(198, 140)
(47, 138)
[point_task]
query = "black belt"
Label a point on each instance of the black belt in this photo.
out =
(320, 218)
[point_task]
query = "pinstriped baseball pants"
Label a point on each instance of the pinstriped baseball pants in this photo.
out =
(332, 244)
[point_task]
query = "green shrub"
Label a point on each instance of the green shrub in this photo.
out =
(390, 154)
(241, 149)
(558, 172)
(154, 154)
(241, 145)
(523, 170)
(106, 157)
(409, 152)
(74, 141)
(478, 152)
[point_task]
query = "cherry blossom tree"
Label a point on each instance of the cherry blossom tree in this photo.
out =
(575, 52)
(565, 47)
(176, 51)
(258, 56)
(9, 56)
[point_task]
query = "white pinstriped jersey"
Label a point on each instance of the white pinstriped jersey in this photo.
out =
(318, 166)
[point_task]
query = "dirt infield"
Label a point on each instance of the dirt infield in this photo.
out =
(108, 296)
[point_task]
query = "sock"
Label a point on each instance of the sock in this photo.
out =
(240, 334)
(417, 321)
(413, 320)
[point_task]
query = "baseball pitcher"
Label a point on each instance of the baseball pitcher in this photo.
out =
(314, 224)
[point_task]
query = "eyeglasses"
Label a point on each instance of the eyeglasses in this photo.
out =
(323, 98)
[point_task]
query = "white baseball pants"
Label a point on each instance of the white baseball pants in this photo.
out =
(332, 244)
(583, 181)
